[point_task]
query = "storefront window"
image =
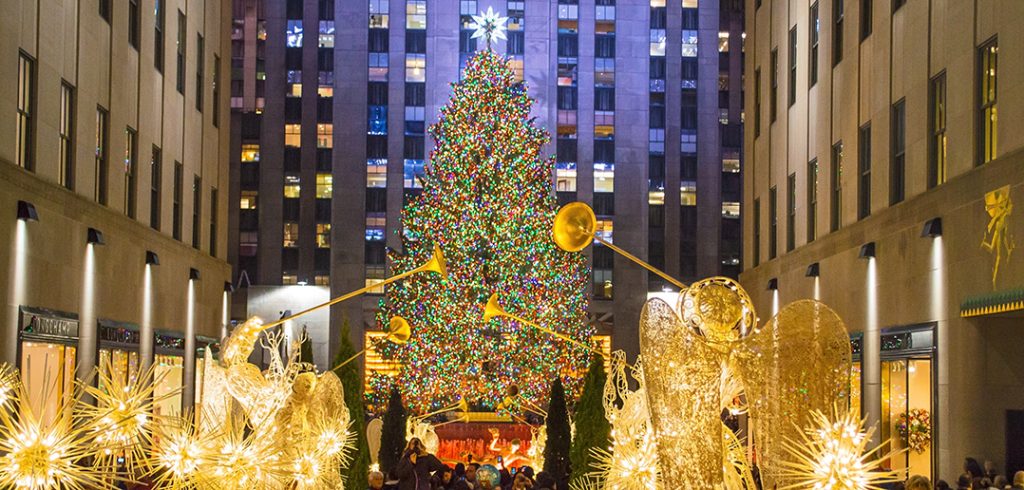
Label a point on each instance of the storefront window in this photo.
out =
(48, 373)
(906, 397)
(855, 383)
(122, 365)
(169, 370)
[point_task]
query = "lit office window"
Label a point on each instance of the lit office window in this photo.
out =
(250, 152)
(565, 177)
(604, 177)
(248, 200)
(689, 48)
(987, 77)
(416, 14)
(377, 173)
(293, 34)
(415, 67)
(323, 235)
(326, 39)
(378, 64)
(293, 135)
(292, 186)
(413, 173)
(324, 135)
(688, 193)
(291, 235)
(937, 127)
(657, 42)
(294, 80)
(324, 185)
(379, 14)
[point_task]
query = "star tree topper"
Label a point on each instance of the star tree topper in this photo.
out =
(489, 26)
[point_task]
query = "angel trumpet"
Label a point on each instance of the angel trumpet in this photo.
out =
(574, 230)
(493, 309)
(399, 332)
(509, 401)
(435, 264)
(461, 406)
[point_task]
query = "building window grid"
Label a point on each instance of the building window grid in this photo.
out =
(773, 95)
(25, 138)
(814, 34)
(791, 212)
(133, 23)
(67, 131)
(837, 31)
(836, 185)
(200, 71)
(864, 172)
(154, 188)
(937, 128)
(176, 201)
(792, 66)
(866, 15)
(897, 175)
(773, 222)
(158, 35)
(197, 199)
(812, 199)
(182, 32)
(213, 221)
(131, 157)
(100, 191)
(757, 102)
(987, 113)
(757, 232)
(415, 14)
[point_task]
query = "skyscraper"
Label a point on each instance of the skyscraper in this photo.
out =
(332, 100)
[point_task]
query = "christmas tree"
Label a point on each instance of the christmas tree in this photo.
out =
(487, 201)
(356, 472)
(556, 450)
(392, 436)
(592, 428)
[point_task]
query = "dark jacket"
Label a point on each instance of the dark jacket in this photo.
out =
(417, 477)
(462, 484)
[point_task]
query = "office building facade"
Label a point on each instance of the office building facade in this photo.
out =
(883, 155)
(333, 100)
(114, 156)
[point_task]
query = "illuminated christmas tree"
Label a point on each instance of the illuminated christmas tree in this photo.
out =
(487, 202)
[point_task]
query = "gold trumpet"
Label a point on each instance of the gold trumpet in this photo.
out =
(493, 309)
(508, 402)
(460, 406)
(399, 332)
(574, 230)
(435, 264)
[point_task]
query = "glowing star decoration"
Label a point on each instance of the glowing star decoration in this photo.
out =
(831, 454)
(490, 26)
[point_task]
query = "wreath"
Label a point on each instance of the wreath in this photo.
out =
(915, 428)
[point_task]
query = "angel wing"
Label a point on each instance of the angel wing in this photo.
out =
(682, 373)
(797, 362)
(329, 399)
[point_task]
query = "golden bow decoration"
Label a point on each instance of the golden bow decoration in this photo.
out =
(797, 362)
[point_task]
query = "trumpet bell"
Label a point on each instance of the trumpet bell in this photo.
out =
(399, 330)
(574, 226)
(436, 264)
(463, 406)
(493, 309)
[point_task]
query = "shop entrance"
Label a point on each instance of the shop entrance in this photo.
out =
(908, 394)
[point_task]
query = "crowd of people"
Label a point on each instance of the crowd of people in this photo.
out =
(974, 477)
(420, 470)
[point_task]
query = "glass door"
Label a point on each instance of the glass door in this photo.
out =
(906, 412)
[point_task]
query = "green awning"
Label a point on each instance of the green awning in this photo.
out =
(995, 303)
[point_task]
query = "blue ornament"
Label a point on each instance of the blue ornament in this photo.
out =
(488, 473)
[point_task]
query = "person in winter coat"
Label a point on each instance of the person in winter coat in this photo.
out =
(415, 467)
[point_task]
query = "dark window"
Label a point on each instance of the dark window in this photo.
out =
(325, 59)
(836, 185)
(773, 222)
(413, 149)
(837, 31)
(416, 41)
(657, 67)
(133, 23)
(896, 4)
(864, 172)
(102, 155)
(604, 45)
(866, 10)
(604, 99)
(690, 20)
(988, 57)
(326, 9)
(897, 175)
(689, 68)
(516, 43)
(182, 28)
(377, 93)
(937, 130)
(791, 212)
(376, 147)
(757, 102)
(25, 138)
(158, 35)
(757, 232)
(415, 94)
(659, 17)
(568, 45)
(131, 170)
(67, 135)
(792, 66)
(216, 91)
(294, 9)
(565, 149)
(378, 41)
(154, 188)
(106, 9)
(213, 221)
(773, 94)
(200, 72)
(604, 151)
(814, 36)
(567, 98)
(176, 201)
(197, 198)
(376, 200)
(467, 44)
(812, 199)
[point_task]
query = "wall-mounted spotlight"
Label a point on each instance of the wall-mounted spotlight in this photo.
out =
(867, 251)
(932, 228)
(95, 237)
(228, 287)
(193, 273)
(773, 284)
(27, 212)
(813, 270)
(152, 258)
